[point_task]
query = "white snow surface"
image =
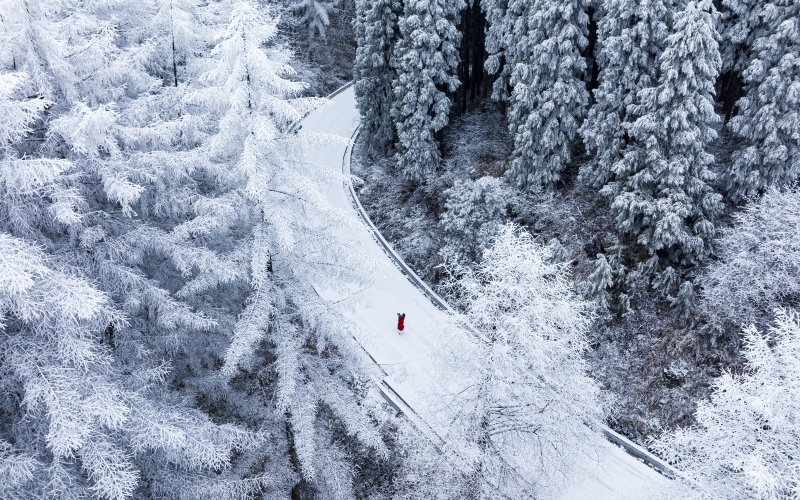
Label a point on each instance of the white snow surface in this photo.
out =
(603, 473)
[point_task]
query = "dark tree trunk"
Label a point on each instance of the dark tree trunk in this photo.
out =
(731, 90)
(485, 91)
(440, 140)
(461, 70)
(465, 43)
(477, 50)
(471, 74)
(593, 70)
(174, 63)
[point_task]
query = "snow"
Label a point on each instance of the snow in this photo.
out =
(605, 472)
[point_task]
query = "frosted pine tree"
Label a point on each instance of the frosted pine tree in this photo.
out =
(314, 15)
(376, 34)
(177, 33)
(426, 59)
(601, 279)
(29, 46)
(740, 25)
(518, 397)
(765, 128)
(76, 348)
(474, 213)
(631, 37)
(746, 443)
(548, 97)
(660, 192)
(499, 27)
(289, 252)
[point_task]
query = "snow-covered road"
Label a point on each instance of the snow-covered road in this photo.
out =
(406, 359)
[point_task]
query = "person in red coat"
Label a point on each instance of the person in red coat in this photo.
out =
(401, 320)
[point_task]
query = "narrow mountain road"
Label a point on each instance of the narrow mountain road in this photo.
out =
(610, 473)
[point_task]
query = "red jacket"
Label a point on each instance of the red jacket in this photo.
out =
(400, 322)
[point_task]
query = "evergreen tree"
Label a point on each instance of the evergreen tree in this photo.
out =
(84, 412)
(765, 128)
(278, 200)
(601, 279)
(541, 57)
(177, 33)
(499, 23)
(426, 60)
(376, 33)
(631, 37)
(661, 192)
(746, 444)
(315, 16)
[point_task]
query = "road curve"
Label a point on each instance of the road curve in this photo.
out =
(406, 359)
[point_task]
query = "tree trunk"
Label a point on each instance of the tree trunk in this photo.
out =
(465, 42)
(174, 63)
(730, 93)
(593, 70)
(477, 49)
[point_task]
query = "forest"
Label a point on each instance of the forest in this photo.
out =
(604, 192)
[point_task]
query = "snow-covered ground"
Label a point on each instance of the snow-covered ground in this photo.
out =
(605, 472)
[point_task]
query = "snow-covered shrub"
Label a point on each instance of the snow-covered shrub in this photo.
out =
(516, 393)
(474, 213)
(759, 263)
(746, 443)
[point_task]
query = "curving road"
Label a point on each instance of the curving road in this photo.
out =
(405, 359)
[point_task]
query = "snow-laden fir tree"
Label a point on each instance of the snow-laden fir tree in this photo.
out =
(314, 15)
(746, 442)
(601, 279)
(426, 60)
(376, 33)
(541, 52)
(518, 396)
(177, 33)
(660, 191)
(630, 38)
(133, 227)
(277, 199)
(84, 411)
(765, 128)
(740, 25)
(499, 23)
